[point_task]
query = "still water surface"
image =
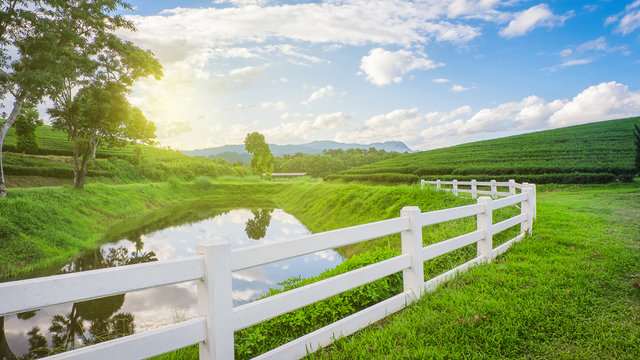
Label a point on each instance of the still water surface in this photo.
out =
(70, 326)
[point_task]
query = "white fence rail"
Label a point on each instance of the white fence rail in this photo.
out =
(214, 329)
(471, 187)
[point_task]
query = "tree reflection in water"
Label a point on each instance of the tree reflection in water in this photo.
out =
(256, 228)
(93, 321)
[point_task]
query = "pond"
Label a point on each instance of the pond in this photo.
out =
(68, 326)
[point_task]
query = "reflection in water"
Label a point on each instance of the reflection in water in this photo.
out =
(88, 322)
(64, 327)
(256, 228)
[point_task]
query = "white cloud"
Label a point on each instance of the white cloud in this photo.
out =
(596, 46)
(628, 21)
(604, 101)
(527, 20)
(241, 3)
(329, 121)
(569, 63)
(400, 124)
(459, 88)
(293, 52)
(383, 67)
(279, 105)
(296, 131)
(319, 94)
(436, 129)
(440, 80)
(244, 76)
(589, 51)
(378, 22)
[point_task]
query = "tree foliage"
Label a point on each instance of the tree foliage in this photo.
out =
(26, 125)
(330, 161)
(105, 67)
(99, 113)
(262, 160)
(60, 46)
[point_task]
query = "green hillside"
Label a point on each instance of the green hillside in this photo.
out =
(56, 142)
(592, 153)
(53, 160)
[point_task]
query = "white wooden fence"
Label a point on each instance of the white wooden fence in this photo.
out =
(213, 330)
(471, 187)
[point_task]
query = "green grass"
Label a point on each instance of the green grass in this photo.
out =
(564, 292)
(56, 142)
(53, 161)
(40, 227)
(570, 291)
(592, 153)
(329, 206)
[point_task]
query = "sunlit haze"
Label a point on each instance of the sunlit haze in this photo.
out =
(428, 73)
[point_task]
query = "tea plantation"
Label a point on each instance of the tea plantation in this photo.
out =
(599, 152)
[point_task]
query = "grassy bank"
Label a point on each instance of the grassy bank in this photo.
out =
(329, 206)
(564, 292)
(570, 291)
(44, 226)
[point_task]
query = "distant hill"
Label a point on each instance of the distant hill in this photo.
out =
(311, 148)
(597, 152)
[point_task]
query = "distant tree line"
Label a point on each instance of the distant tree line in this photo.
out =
(330, 161)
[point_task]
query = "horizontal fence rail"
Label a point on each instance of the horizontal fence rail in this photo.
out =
(214, 329)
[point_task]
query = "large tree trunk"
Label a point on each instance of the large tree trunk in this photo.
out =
(83, 170)
(4, 129)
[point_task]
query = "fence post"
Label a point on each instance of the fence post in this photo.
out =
(512, 187)
(215, 301)
(455, 188)
(437, 184)
(484, 220)
(411, 241)
(421, 184)
(494, 190)
(525, 208)
(534, 201)
(474, 189)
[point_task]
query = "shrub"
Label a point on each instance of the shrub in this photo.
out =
(173, 181)
(202, 182)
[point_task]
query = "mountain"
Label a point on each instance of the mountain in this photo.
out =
(314, 147)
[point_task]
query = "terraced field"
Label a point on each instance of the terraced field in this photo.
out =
(56, 142)
(53, 161)
(599, 152)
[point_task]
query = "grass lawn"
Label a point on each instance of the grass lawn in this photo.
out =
(569, 291)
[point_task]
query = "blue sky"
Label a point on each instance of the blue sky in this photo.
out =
(428, 73)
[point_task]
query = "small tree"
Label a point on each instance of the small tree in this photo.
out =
(637, 135)
(26, 125)
(262, 160)
(99, 113)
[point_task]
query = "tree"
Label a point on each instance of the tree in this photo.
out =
(57, 44)
(26, 125)
(637, 136)
(262, 160)
(99, 113)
